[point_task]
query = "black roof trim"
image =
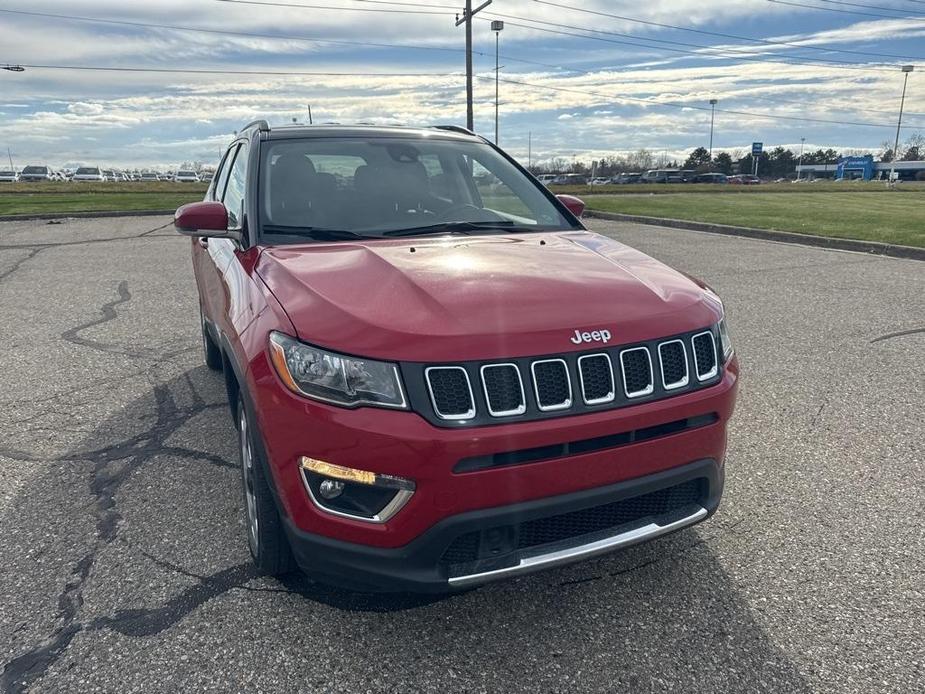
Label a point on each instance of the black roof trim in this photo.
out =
(455, 129)
(261, 125)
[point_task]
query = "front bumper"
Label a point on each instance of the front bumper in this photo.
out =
(405, 445)
(420, 565)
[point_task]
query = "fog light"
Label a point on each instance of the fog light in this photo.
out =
(330, 489)
(359, 494)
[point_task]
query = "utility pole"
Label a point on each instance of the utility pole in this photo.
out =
(906, 70)
(468, 14)
(309, 114)
(10, 155)
(712, 113)
(496, 26)
(800, 165)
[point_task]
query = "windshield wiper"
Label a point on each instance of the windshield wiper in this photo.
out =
(457, 228)
(317, 233)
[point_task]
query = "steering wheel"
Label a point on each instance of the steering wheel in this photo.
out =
(465, 212)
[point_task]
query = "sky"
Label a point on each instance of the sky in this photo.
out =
(579, 79)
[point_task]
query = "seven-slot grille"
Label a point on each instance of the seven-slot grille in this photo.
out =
(571, 383)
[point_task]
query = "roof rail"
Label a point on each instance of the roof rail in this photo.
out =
(455, 129)
(261, 125)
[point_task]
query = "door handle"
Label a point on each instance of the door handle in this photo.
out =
(203, 242)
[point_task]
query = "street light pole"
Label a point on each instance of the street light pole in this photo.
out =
(800, 165)
(906, 70)
(497, 26)
(466, 19)
(712, 113)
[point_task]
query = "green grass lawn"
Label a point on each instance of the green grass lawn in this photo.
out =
(87, 201)
(889, 218)
(717, 189)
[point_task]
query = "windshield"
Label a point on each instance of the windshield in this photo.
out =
(35, 169)
(380, 186)
(186, 173)
(87, 171)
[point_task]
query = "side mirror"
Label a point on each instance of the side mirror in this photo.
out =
(204, 219)
(575, 205)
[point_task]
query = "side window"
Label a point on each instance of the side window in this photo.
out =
(496, 195)
(221, 176)
(234, 192)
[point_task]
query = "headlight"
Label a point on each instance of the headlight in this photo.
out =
(725, 344)
(335, 378)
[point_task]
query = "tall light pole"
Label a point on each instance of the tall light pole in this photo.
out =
(466, 19)
(712, 113)
(906, 70)
(497, 26)
(800, 165)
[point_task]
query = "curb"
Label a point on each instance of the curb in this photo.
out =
(86, 215)
(869, 247)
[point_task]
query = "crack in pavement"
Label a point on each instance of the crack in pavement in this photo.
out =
(902, 333)
(113, 465)
(109, 314)
(36, 248)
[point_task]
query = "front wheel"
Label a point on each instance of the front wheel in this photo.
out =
(265, 534)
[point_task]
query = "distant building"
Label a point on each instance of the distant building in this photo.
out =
(864, 168)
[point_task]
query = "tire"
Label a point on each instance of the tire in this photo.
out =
(210, 351)
(266, 537)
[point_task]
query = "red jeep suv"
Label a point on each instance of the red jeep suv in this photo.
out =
(439, 376)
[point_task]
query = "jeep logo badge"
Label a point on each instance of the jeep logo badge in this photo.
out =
(593, 336)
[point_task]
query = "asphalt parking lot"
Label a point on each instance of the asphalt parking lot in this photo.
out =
(125, 567)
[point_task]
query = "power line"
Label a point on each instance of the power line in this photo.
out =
(833, 9)
(720, 34)
(670, 104)
(225, 71)
(277, 37)
(846, 66)
(852, 4)
(584, 92)
(269, 3)
(740, 54)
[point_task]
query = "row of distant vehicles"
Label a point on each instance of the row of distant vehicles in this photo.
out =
(650, 176)
(94, 174)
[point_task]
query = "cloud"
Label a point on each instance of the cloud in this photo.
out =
(630, 97)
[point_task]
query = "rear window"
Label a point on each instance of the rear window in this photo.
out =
(35, 170)
(88, 171)
(374, 185)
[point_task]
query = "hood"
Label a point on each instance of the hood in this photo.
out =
(486, 297)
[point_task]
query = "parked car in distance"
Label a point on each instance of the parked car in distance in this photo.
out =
(688, 175)
(600, 181)
(186, 177)
(661, 176)
(8, 176)
(438, 382)
(572, 179)
(546, 179)
(626, 177)
(149, 177)
(33, 174)
(206, 176)
(710, 178)
(750, 180)
(88, 174)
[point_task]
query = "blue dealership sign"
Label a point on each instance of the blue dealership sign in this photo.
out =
(855, 167)
(756, 148)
